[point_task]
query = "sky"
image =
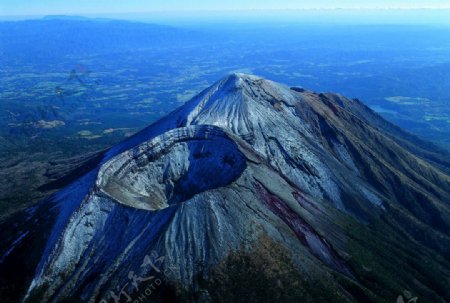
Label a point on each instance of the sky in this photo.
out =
(71, 7)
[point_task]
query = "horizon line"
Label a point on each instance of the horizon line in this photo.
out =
(236, 10)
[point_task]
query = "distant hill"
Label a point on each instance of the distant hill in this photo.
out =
(59, 36)
(65, 17)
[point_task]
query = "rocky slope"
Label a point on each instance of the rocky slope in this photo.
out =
(356, 202)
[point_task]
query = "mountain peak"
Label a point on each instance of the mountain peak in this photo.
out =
(245, 76)
(238, 81)
(238, 100)
(317, 173)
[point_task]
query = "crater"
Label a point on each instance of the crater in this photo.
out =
(172, 168)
